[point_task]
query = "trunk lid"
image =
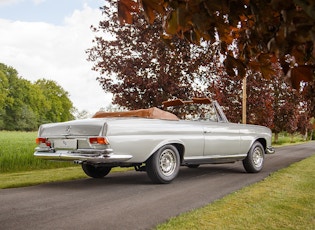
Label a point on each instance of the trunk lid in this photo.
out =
(86, 127)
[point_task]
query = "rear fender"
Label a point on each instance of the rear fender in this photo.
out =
(177, 143)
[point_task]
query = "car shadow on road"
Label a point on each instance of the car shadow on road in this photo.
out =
(141, 179)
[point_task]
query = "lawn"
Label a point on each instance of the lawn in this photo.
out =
(284, 200)
(16, 153)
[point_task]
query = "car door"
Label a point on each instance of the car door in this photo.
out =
(221, 139)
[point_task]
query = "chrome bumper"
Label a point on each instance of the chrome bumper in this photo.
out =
(86, 155)
(270, 150)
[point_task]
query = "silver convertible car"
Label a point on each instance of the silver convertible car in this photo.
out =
(155, 140)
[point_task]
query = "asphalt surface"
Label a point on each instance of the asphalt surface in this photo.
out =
(129, 200)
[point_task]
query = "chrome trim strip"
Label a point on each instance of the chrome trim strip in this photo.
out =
(213, 159)
(93, 155)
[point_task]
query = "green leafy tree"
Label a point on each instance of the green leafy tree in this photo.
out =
(22, 111)
(4, 85)
(24, 105)
(57, 103)
(14, 100)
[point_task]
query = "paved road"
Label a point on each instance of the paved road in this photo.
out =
(129, 200)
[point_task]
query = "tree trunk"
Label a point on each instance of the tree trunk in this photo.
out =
(305, 135)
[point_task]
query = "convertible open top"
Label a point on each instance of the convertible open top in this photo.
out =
(153, 113)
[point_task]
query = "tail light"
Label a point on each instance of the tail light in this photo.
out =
(98, 140)
(43, 141)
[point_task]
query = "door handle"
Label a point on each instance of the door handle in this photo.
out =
(207, 131)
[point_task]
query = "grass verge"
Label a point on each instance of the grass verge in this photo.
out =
(16, 153)
(28, 178)
(284, 200)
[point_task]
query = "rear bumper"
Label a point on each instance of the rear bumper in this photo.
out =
(270, 150)
(86, 155)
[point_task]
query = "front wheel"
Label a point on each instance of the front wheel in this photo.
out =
(163, 166)
(94, 171)
(254, 161)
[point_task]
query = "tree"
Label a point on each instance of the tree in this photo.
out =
(84, 114)
(24, 105)
(130, 69)
(285, 106)
(305, 110)
(140, 69)
(304, 125)
(4, 84)
(15, 108)
(259, 101)
(308, 95)
(228, 92)
(59, 107)
(265, 32)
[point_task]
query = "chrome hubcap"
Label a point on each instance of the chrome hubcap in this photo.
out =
(258, 157)
(167, 162)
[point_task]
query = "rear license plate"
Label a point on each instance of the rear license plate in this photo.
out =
(65, 144)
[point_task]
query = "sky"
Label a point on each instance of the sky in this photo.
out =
(47, 39)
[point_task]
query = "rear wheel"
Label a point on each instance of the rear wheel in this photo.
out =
(254, 161)
(95, 171)
(163, 166)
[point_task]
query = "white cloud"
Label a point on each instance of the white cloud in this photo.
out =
(41, 50)
(37, 2)
(8, 2)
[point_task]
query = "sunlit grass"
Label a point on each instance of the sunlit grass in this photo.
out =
(284, 200)
(16, 153)
(287, 139)
(28, 178)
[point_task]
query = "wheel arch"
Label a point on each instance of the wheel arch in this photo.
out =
(263, 142)
(181, 150)
(179, 145)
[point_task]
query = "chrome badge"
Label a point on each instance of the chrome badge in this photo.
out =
(68, 129)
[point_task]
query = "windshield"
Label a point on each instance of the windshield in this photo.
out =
(198, 109)
(194, 112)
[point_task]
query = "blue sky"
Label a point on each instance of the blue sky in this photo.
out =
(50, 11)
(48, 39)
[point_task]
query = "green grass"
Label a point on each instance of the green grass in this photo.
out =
(28, 178)
(16, 153)
(284, 200)
(287, 139)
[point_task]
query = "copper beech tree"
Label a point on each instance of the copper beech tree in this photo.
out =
(272, 103)
(138, 68)
(143, 64)
(264, 31)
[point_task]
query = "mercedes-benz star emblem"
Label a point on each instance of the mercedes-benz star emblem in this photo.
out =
(68, 129)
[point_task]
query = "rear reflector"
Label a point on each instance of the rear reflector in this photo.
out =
(98, 140)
